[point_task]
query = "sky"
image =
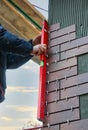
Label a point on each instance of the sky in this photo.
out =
(20, 105)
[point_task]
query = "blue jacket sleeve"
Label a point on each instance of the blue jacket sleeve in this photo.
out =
(13, 44)
(15, 61)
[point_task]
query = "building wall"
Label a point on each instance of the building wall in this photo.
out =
(67, 68)
(67, 80)
(69, 12)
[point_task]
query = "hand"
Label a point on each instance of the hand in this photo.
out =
(37, 40)
(39, 49)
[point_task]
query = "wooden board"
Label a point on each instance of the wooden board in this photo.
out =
(54, 27)
(53, 97)
(62, 65)
(61, 32)
(53, 86)
(74, 91)
(62, 39)
(76, 125)
(68, 54)
(62, 105)
(74, 52)
(68, 45)
(62, 117)
(68, 82)
(62, 74)
(74, 81)
(74, 44)
(17, 20)
(30, 10)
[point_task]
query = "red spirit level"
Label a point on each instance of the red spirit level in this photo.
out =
(42, 80)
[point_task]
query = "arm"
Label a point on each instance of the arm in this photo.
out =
(15, 61)
(11, 43)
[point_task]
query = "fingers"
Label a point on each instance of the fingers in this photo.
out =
(43, 49)
(40, 49)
